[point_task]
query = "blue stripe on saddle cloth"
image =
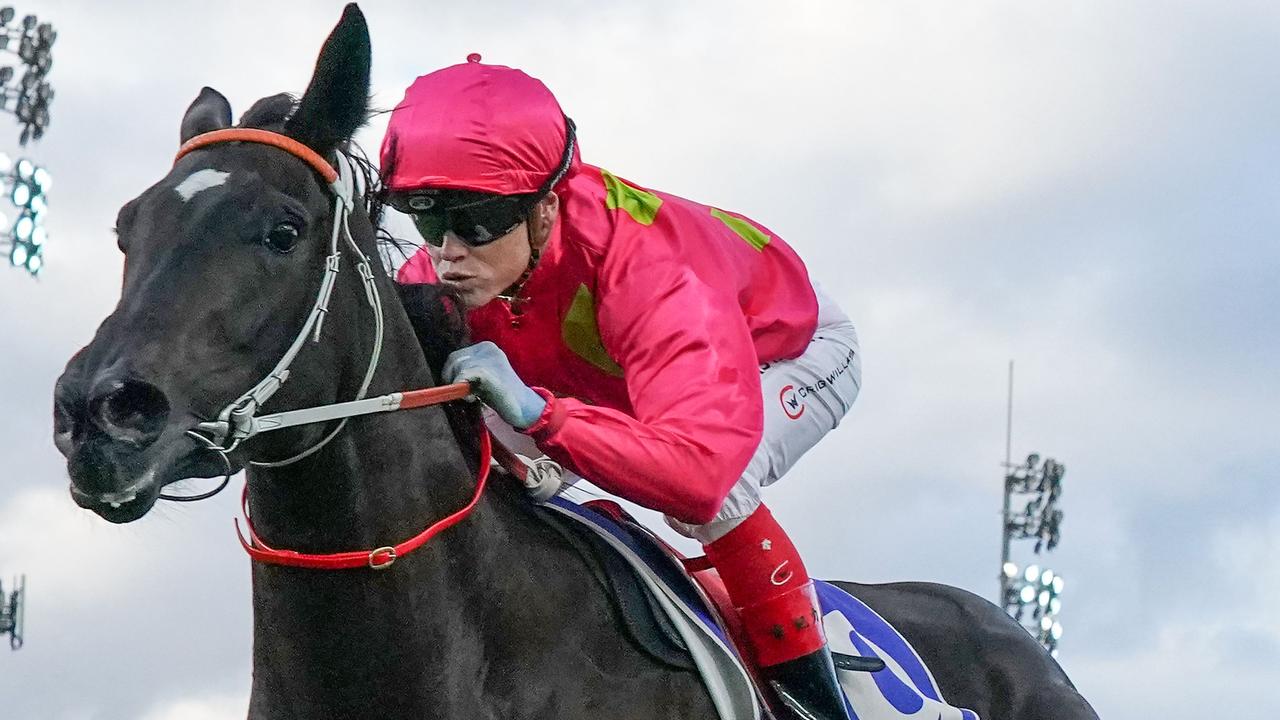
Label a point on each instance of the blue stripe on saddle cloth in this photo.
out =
(904, 689)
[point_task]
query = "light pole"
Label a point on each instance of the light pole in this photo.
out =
(1031, 594)
(11, 612)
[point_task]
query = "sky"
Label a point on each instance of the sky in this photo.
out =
(1090, 189)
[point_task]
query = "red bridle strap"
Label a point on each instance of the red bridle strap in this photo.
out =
(378, 558)
(262, 137)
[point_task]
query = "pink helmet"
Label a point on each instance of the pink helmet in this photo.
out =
(473, 126)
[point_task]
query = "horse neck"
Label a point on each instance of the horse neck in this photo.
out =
(463, 623)
(381, 481)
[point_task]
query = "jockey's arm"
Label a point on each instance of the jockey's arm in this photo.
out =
(693, 380)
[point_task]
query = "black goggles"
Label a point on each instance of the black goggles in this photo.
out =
(477, 222)
(477, 219)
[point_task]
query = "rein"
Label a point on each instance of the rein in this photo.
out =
(376, 559)
(239, 421)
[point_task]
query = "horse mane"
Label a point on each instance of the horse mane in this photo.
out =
(437, 318)
(440, 326)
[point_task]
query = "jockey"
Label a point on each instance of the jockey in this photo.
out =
(675, 354)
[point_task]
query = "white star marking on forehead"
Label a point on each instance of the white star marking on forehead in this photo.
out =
(200, 180)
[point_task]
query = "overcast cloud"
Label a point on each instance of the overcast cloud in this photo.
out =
(1090, 188)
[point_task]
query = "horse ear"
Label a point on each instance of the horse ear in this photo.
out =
(337, 100)
(210, 111)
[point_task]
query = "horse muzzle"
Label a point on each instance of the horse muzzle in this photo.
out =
(123, 444)
(121, 506)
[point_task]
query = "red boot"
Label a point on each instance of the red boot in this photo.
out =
(768, 584)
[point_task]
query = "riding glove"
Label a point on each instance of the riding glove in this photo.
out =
(486, 367)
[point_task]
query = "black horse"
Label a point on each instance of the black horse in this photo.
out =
(499, 617)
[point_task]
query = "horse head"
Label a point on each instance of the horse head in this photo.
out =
(224, 259)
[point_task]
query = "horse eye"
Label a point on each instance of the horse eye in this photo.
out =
(282, 237)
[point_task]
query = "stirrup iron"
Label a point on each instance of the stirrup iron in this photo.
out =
(857, 663)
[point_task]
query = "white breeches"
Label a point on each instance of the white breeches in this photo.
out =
(804, 399)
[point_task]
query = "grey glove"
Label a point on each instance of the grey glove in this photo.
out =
(486, 367)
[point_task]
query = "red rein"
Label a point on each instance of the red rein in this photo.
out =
(378, 558)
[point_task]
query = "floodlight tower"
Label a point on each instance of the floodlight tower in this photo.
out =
(24, 184)
(11, 612)
(26, 94)
(1031, 594)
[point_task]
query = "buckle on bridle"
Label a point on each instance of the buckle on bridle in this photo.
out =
(383, 564)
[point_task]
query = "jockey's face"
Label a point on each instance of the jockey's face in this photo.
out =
(477, 275)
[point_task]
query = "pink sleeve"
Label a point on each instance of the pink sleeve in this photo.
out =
(417, 270)
(693, 380)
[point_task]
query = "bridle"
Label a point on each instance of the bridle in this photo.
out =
(239, 420)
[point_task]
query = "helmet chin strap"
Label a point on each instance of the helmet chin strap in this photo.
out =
(512, 293)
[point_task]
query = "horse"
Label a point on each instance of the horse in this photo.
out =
(226, 258)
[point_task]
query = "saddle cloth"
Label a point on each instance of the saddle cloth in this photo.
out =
(691, 612)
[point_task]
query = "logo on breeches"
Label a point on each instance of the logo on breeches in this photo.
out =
(791, 403)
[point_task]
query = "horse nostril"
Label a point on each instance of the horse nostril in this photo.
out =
(133, 410)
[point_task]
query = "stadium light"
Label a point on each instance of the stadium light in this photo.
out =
(26, 57)
(1032, 598)
(25, 91)
(27, 184)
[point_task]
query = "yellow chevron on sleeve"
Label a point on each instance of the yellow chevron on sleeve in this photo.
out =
(641, 205)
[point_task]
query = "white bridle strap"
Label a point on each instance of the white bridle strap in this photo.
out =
(236, 422)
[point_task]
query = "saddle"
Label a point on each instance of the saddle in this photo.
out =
(637, 612)
(676, 610)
